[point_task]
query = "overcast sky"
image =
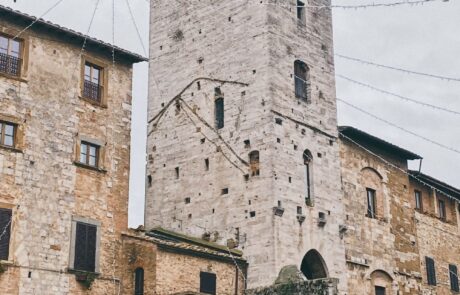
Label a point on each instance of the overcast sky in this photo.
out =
(422, 38)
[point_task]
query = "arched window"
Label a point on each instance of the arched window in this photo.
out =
(381, 283)
(313, 266)
(372, 182)
(307, 161)
(219, 112)
(139, 281)
(254, 163)
(301, 78)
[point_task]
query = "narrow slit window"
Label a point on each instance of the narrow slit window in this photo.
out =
(442, 209)
(371, 203)
(307, 161)
(453, 274)
(219, 112)
(418, 200)
(254, 163)
(301, 78)
(206, 164)
(139, 281)
(430, 271)
(301, 11)
(5, 225)
(177, 172)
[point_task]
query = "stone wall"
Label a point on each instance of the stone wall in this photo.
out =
(256, 44)
(315, 287)
(40, 181)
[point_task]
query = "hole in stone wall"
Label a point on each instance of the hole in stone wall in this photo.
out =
(295, 147)
(252, 214)
(254, 163)
(279, 203)
(319, 155)
(331, 142)
(224, 191)
(246, 177)
(213, 211)
(206, 164)
(253, 71)
(149, 180)
(299, 210)
(243, 93)
(290, 179)
(177, 172)
(187, 200)
(190, 216)
(278, 140)
(29, 275)
(249, 202)
(229, 18)
(198, 85)
(303, 131)
(203, 140)
(279, 121)
(161, 47)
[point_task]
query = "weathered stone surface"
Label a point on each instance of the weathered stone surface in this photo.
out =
(315, 287)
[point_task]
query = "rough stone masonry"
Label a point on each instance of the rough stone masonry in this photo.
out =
(235, 152)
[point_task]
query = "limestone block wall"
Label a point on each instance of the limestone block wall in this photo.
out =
(256, 44)
(39, 179)
(385, 246)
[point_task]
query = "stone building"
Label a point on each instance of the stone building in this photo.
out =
(243, 139)
(402, 226)
(65, 119)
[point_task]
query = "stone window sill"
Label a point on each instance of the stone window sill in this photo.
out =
(93, 102)
(11, 148)
(17, 78)
(85, 166)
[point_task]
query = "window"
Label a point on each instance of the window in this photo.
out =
(139, 281)
(430, 271)
(380, 290)
(7, 134)
(89, 154)
(85, 247)
(10, 56)
(5, 232)
(371, 208)
(442, 209)
(453, 274)
(301, 11)
(219, 112)
(207, 283)
(254, 163)
(92, 82)
(307, 159)
(418, 200)
(301, 76)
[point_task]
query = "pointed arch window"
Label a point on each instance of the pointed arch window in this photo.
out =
(139, 281)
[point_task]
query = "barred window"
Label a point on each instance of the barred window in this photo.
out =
(5, 232)
(10, 56)
(92, 82)
(301, 78)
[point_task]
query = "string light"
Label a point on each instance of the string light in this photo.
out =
(397, 95)
(444, 78)
(400, 128)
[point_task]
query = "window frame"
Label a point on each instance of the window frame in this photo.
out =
(88, 221)
(301, 12)
(103, 80)
(371, 208)
(219, 112)
(137, 271)
(302, 80)
(308, 162)
(8, 208)
(213, 287)
(418, 200)
(453, 278)
(442, 212)
(88, 149)
(430, 266)
(378, 289)
(21, 55)
(3, 123)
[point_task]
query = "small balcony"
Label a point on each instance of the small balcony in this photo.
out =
(92, 91)
(10, 65)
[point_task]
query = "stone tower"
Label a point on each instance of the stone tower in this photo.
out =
(242, 142)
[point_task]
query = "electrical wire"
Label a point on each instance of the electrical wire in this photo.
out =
(399, 127)
(136, 27)
(356, 7)
(444, 78)
(397, 95)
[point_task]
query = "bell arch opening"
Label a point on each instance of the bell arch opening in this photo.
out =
(313, 266)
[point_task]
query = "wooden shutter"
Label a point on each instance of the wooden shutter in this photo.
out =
(453, 274)
(208, 283)
(85, 247)
(5, 233)
(430, 271)
(139, 281)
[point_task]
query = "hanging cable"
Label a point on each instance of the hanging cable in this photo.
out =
(362, 6)
(38, 18)
(398, 96)
(400, 128)
(445, 78)
(136, 27)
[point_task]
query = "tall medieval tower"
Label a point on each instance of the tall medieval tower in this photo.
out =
(242, 142)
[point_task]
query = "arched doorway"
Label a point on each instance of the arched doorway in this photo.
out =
(313, 266)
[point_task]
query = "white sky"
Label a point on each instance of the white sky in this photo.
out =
(422, 38)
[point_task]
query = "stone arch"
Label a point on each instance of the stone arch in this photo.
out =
(313, 266)
(382, 282)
